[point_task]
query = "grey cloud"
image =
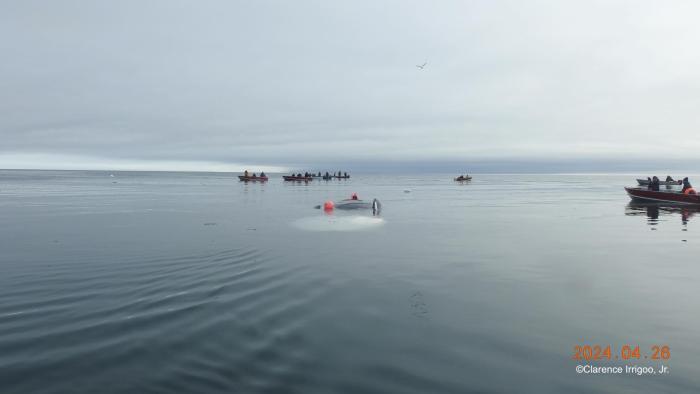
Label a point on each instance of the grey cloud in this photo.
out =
(281, 82)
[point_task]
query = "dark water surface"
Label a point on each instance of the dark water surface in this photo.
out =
(182, 282)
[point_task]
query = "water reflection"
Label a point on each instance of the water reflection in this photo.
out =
(655, 210)
(329, 222)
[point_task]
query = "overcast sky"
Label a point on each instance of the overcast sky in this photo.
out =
(221, 85)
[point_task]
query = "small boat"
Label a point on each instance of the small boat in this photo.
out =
(645, 182)
(463, 178)
(671, 196)
(342, 177)
(293, 178)
(252, 178)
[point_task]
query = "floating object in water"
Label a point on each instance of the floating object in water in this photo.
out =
(374, 205)
(407, 191)
(351, 204)
(357, 204)
(463, 178)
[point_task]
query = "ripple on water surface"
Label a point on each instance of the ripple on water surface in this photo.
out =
(230, 319)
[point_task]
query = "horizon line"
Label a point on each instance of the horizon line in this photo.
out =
(609, 172)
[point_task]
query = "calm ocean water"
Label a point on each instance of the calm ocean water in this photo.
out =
(197, 283)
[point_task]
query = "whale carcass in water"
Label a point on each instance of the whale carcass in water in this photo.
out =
(352, 203)
(374, 205)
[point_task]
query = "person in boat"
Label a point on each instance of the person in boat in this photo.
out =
(354, 197)
(262, 174)
(648, 183)
(687, 187)
(245, 174)
(669, 178)
(654, 185)
(345, 174)
(253, 175)
(299, 175)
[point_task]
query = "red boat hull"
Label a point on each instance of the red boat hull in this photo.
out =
(252, 179)
(296, 178)
(663, 196)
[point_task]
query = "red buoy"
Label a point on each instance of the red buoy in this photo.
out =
(328, 206)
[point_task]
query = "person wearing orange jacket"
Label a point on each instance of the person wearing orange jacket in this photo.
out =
(687, 187)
